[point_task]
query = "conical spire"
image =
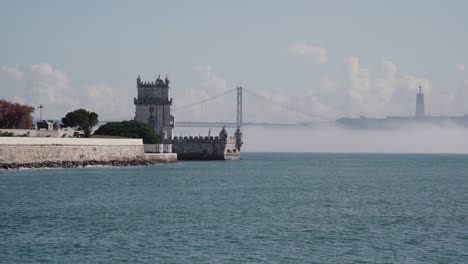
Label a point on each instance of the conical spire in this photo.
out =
(223, 134)
(238, 137)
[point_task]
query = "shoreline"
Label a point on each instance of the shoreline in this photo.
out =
(77, 164)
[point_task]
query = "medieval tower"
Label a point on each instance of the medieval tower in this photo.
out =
(420, 104)
(153, 106)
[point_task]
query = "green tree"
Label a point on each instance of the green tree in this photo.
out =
(130, 129)
(81, 119)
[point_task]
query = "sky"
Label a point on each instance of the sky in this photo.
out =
(328, 58)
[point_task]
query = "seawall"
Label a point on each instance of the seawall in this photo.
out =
(72, 152)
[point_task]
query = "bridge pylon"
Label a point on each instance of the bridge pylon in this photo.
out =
(239, 106)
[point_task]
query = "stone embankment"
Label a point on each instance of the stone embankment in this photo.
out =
(76, 152)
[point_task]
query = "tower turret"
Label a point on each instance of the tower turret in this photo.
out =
(223, 134)
(238, 137)
(166, 81)
(420, 104)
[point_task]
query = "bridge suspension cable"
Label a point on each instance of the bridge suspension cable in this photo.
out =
(204, 100)
(284, 106)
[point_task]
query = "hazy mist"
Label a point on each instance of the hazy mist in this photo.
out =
(332, 138)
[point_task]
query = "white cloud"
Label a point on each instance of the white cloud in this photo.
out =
(257, 108)
(330, 97)
(385, 94)
(110, 103)
(265, 106)
(46, 85)
(318, 55)
(210, 84)
(458, 98)
(389, 69)
(52, 88)
(14, 72)
(388, 93)
(460, 67)
(376, 93)
(359, 78)
(210, 81)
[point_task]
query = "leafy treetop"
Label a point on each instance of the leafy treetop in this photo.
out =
(130, 129)
(81, 119)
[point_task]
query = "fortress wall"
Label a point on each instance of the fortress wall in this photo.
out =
(204, 149)
(211, 145)
(39, 133)
(189, 146)
(31, 150)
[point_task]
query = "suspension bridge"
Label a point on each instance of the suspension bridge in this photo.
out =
(239, 111)
(313, 118)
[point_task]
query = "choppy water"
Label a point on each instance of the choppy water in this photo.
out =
(266, 208)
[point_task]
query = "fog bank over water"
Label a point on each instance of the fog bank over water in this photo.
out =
(331, 138)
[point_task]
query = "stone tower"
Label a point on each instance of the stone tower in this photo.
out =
(420, 104)
(153, 106)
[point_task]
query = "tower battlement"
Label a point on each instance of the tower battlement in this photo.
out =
(158, 83)
(222, 147)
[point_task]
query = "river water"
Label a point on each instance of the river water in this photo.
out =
(265, 208)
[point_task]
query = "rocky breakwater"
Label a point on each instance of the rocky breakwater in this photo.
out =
(77, 164)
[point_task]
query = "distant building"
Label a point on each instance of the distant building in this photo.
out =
(153, 106)
(396, 122)
(46, 125)
(420, 104)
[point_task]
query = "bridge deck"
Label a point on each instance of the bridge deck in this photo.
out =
(232, 124)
